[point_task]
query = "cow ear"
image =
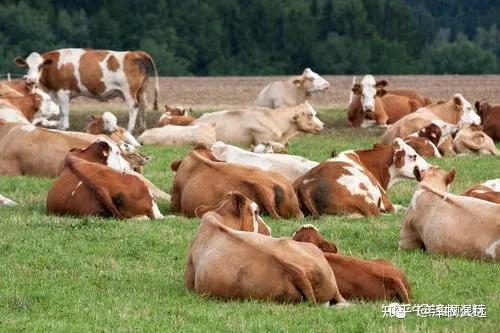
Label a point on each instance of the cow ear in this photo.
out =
(298, 82)
(20, 62)
(47, 62)
(457, 100)
(417, 173)
(328, 247)
(105, 148)
(356, 89)
(295, 118)
(477, 105)
(380, 84)
(381, 92)
(238, 201)
(201, 210)
(450, 177)
(174, 166)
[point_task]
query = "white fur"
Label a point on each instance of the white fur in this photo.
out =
(4, 201)
(412, 160)
(469, 115)
(491, 250)
(109, 122)
(493, 184)
(368, 92)
(319, 84)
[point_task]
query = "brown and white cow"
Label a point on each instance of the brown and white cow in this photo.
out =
(471, 139)
(107, 125)
(354, 182)
(440, 222)
(457, 111)
(100, 74)
(233, 264)
(87, 186)
(238, 212)
(357, 278)
(4, 201)
(291, 92)
(490, 119)
(175, 116)
(201, 179)
(425, 141)
(489, 190)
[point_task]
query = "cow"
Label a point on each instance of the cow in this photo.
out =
(87, 186)
(30, 109)
(354, 183)
(291, 92)
(440, 222)
(107, 125)
(457, 111)
(490, 119)
(425, 141)
(238, 212)
(270, 147)
(489, 190)
(4, 201)
(234, 264)
(256, 124)
(471, 139)
(357, 278)
(171, 135)
(99, 74)
(201, 179)
(175, 116)
(290, 166)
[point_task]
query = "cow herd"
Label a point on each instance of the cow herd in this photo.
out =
(100, 173)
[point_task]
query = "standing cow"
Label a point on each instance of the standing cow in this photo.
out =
(99, 74)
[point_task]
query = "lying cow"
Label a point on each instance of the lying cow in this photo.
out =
(290, 166)
(107, 125)
(33, 108)
(291, 92)
(425, 141)
(171, 135)
(357, 278)
(457, 111)
(490, 119)
(471, 139)
(87, 186)
(255, 125)
(233, 264)
(354, 182)
(441, 222)
(489, 190)
(4, 201)
(238, 212)
(175, 116)
(201, 179)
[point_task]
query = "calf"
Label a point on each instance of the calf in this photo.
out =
(175, 116)
(171, 135)
(87, 186)
(354, 182)
(471, 139)
(4, 201)
(425, 141)
(233, 264)
(107, 124)
(238, 212)
(291, 92)
(290, 166)
(490, 119)
(489, 190)
(441, 222)
(194, 185)
(357, 278)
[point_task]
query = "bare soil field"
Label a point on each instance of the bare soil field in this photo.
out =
(203, 93)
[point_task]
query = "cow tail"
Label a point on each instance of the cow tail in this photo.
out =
(157, 82)
(304, 196)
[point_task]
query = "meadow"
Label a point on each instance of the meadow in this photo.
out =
(88, 274)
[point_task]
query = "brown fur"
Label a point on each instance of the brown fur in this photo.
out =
(482, 192)
(490, 119)
(112, 63)
(28, 105)
(423, 146)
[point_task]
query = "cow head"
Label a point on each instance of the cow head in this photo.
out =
(436, 177)
(310, 234)
(238, 212)
(47, 108)
(109, 123)
(35, 64)
(432, 132)
(446, 128)
(175, 110)
(305, 119)
(368, 90)
(311, 82)
(405, 161)
(467, 113)
(97, 152)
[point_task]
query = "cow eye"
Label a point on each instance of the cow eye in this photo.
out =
(414, 157)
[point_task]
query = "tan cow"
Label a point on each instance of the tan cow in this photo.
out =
(256, 124)
(440, 222)
(87, 186)
(233, 264)
(175, 116)
(238, 212)
(171, 135)
(201, 179)
(471, 139)
(457, 111)
(489, 190)
(107, 125)
(4, 201)
(490, 119)
(357, 278)
(291, 92)
(29, 109)
(100, 74)
(354, 182)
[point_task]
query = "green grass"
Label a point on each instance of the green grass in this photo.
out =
(69, 274)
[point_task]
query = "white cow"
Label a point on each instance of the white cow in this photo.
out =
(169, 135)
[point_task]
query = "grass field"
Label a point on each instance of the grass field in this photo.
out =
(69, 274)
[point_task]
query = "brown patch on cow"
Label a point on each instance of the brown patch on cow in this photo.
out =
(363, 187)
(91, 73)
(55, 78)
(399, 159)
(112, 63)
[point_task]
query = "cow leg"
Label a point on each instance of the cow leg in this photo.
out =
(62, 98)
(141, 97)
(133, 109)
(408, 238)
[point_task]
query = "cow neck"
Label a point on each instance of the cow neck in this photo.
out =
(283, 121)
(441, 110)
(377, 161)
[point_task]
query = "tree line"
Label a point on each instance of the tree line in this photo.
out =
(250, 37)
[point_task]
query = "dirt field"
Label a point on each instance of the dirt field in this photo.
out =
(202, 93)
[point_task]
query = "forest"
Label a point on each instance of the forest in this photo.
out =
(263, 37)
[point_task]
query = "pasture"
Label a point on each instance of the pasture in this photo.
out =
(74, 274)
